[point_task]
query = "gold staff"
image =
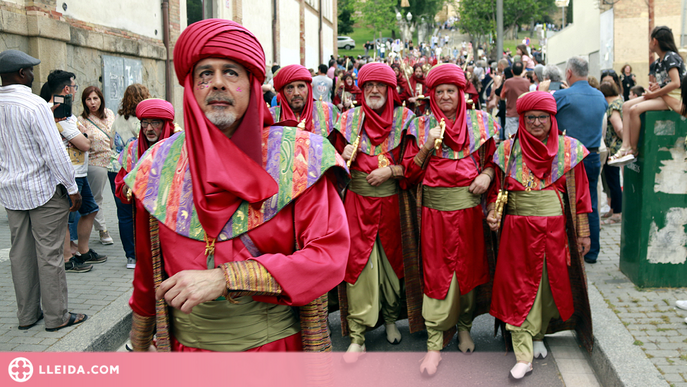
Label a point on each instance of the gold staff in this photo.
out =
(440, 140)
(356, 143)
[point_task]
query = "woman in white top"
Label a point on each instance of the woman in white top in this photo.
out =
(97, 119)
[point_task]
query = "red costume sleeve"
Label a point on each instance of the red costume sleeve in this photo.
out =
(412, 172)
(119, 186)
(142, 299)
(584, 199)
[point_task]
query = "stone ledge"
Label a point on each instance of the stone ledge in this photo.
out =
(103, 332)
(615, 358)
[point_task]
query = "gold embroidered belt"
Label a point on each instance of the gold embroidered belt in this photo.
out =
(534, 203)
(360, 186)
(449, 198)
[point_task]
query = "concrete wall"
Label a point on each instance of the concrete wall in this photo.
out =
(580, 38)
(140, 17)
(312, 38)
(257, 17)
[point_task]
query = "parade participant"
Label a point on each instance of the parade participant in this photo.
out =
(454, 257)
(539, 285)
(245, 218)
(294, 87)
(418, 90)
(403, 88)
(373, 133)
(157, 123)
(347, 93)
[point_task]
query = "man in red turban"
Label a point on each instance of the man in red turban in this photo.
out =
(539, 283)
(418, 90)
(370, 140)
(157, 124)
(454, 170)
(245, 219)
(294, 87)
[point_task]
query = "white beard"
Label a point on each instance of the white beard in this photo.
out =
(374, 105)
(221, 119)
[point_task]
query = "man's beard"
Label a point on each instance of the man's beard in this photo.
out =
(294, 107)
(374, 105)
(218, 116)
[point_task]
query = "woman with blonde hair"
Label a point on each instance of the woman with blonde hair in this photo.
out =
(124, 130)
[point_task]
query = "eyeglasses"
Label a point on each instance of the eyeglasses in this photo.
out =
(532, 119)
(372, 85)
(607, 72)
(157, 124)
(75, 87)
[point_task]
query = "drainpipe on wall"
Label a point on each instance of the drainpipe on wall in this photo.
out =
(275, 58)
(165, 39)
(319, 35)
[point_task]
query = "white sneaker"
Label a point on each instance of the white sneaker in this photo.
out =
(354, 352)
(520, 370)
(131, 263)
(682, 304)
(105, 238)
(539, 349)
(393, 336)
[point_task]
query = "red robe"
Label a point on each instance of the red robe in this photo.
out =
(525, 240)
(369, 216)
(452, 241)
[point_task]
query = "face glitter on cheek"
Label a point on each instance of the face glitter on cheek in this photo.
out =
(238, 89)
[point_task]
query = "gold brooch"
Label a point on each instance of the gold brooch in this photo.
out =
(382, 161)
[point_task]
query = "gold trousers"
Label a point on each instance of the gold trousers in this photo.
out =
(442, 315)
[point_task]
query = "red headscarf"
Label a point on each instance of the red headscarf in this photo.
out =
(353, 89)
(537, 155)
(282, 78)
(401, 80)
(414, 80)
(154, 108)
(378, 127)
(456, 135)
(224, 172)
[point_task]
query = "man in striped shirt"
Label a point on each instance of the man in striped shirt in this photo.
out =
(36, 179)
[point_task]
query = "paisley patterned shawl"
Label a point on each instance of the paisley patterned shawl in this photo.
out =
(481, 127)
(349, 124)
(570, 153)
(129, 156)
(295, 159)
(324, 116)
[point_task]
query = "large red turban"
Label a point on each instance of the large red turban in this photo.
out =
(224, 172)
(289, 74)
(378, 127)
(537, 155)
(456, 135)
(159, 109)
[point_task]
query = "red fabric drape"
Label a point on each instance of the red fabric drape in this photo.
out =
(378, 127)
(456, 135)
(289, 74)
(154, 108)
(537, 155)
(224, 172)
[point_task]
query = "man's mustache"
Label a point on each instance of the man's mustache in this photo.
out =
(218, 97)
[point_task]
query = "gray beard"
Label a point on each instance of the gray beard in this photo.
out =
(375, 105)
(221, 119)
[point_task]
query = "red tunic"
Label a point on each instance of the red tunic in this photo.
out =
(369, 216)
(317, 217)
(452, 241)
(525, 241)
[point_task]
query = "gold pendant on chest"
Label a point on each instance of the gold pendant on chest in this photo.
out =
(382, 161)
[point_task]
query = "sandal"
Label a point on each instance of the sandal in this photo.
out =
(25, 327)
(622, 157)
(73, 320)
(612, 220)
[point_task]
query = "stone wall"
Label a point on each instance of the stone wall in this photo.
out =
(61, 42)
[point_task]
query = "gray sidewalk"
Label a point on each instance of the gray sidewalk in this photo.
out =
(641, 339)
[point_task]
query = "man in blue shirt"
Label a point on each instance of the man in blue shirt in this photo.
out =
(581, 110)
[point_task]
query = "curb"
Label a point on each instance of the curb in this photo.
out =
(103, 332)
(615, 359)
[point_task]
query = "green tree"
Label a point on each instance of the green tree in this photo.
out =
(377, 14)
(478, 19)
(346, 20)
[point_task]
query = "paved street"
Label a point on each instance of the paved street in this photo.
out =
(650, 343)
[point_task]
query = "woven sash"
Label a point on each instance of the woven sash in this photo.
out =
(226, 327)
(449, 198)
(534, 203)
(360, 186)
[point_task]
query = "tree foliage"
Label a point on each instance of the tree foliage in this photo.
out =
(377, 14)
(419, 8)
(346, 20)
(478, 17)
